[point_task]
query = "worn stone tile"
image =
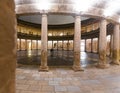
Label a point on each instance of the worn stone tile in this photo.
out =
(34, 88)
(73, 88)
(32, 82)
(47, 88)
(43, 83)
(60, 88)
(22, 87)
(64, 80)
(53, 83)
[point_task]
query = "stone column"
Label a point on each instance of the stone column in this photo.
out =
(20, 44)
(111, 46)
(31, 44)
(102, 45)
(85, 45)
(116, 44)
(26, 44)
(91, 45)
(57, 46)
(77, 41)
(98, 45)
(52, 44)
(8, 46)
(119, 45)
(36, 44)
(44, 40)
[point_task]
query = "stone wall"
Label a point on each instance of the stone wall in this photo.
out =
(7, 46)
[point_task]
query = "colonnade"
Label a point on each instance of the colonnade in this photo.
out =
(101, 43)
(77, 38)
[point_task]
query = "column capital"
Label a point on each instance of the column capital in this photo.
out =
(76, 15)
(44, 12)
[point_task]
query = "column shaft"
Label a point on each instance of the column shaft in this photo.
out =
(102, 45)
(111, 46)
(85, 45)
(116, 44)
(25, 44)
(44, 39)
(92, 45)
(8, 40)
(77, 40)
(20, 45)
(31, 44)
(36, 44)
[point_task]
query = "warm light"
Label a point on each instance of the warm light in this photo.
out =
(43, 5)
(49, 34)
(61, 34)
(29, 53)
(29, 46)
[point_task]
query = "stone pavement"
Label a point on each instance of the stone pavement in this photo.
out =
(65, 80)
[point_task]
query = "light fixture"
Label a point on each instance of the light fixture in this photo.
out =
(43, 5)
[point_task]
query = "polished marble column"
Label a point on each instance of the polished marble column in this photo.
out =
(36, 44)
(44, 40)
(119, 45)
(77, 41)
(31, 44)
(85, 45)
(26, 44)
(20, 44)
(116, 37)
(8, 46)
(111, 46)
(102, 45)
(91, 45)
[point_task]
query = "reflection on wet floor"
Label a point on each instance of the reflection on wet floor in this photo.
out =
(55, 58)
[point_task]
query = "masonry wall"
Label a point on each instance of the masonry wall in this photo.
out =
(7, 46)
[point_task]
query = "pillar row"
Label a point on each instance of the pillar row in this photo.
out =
(44, 40)
(77, 40)
(116, 44)
(102, 45)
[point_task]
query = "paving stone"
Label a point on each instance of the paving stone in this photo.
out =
(92, 80)
(60, 88)
(73, 88)
(47, 88)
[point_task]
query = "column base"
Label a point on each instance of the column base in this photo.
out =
(44, 68)
(116, 62)
(103, 66)
(77, 68)
(18, 65)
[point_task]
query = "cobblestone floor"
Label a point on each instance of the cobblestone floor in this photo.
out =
(65, 80)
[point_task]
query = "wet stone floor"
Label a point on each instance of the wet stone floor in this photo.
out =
(56, 58)
(62, 79)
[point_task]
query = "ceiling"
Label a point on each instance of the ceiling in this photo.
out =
(52, 19)
(110, 7)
